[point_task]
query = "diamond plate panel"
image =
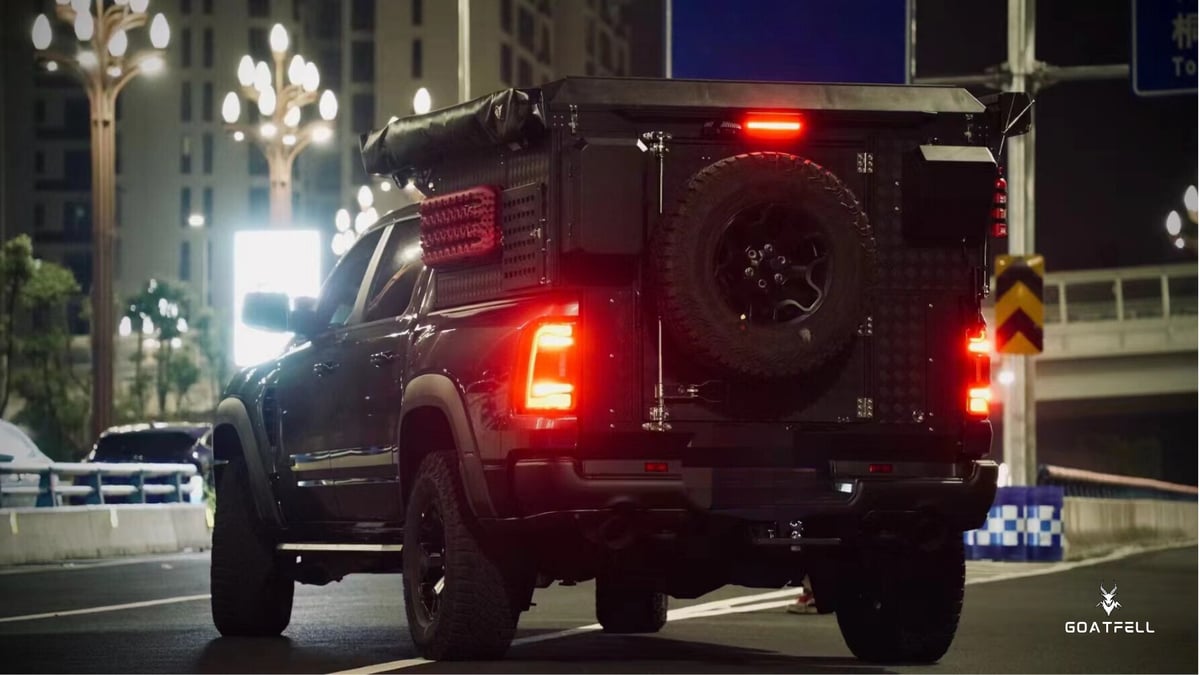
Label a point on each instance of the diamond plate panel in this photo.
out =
(900, 356)
(903, 265)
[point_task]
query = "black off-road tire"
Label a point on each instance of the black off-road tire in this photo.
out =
(251, 584)
(907, 611)
(696, 314)
(480, 602)
(625, 609)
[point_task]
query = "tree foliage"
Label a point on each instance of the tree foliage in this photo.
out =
(35, 341)
(160, 315)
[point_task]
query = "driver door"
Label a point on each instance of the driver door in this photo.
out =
(309, 435)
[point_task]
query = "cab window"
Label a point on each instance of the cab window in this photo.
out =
(341, 290)
(396, 275)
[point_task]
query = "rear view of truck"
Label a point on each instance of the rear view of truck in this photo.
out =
(723, 333)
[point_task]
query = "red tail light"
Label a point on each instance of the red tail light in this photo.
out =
(979, 372)
(547, 372)
(979, 400)
(977, 342)
(773, 125)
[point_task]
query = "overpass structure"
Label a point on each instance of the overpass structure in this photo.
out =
(1115, 333)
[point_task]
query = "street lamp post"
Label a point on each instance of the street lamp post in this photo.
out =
(280, 99)
(199, 241)
(103, 66)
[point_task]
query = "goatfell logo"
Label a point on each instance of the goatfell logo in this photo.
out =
(1108, 602)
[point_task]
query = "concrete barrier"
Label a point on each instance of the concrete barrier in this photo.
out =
(1094, 526)
(41, 535)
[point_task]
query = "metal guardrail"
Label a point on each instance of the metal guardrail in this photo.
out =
(1083, 483)
(1153, 292)
(51, 489)
(1121, 294)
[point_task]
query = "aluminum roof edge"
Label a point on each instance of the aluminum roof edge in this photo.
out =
(674, 93)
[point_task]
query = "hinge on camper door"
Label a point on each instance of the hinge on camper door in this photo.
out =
(656, 143)
(866, 162)
(573, 120)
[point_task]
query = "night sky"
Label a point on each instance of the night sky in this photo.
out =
(1111, 165)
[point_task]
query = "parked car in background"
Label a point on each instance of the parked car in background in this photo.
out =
(16, 446)
(159, 443)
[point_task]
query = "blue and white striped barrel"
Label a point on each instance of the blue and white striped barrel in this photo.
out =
(1043, 523)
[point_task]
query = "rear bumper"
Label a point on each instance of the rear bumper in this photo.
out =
(846, 495)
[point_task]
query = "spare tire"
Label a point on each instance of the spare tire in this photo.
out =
(765, 267)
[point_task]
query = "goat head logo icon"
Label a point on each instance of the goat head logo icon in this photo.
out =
(1109, 600)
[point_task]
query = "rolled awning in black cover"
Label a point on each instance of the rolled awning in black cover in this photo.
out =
(508, 116)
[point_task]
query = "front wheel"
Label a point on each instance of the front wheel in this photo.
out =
(459, 602)
(905, 608)
(251, 585)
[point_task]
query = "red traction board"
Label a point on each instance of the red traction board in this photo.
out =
(460, 226)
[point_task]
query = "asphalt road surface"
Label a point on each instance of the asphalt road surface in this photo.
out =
(76, 620)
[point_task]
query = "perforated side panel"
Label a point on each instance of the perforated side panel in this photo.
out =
(459, 287)
(522, 222)
(503, 169)
(522, 263)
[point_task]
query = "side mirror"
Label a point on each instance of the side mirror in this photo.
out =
(268, 311)
(303, 319)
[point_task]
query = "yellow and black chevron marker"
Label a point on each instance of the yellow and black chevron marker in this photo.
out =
(1019, 310)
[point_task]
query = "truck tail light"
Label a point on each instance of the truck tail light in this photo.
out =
(979, 371)
(977, 342)
(979, 400)
(547, 374)
(773, 125)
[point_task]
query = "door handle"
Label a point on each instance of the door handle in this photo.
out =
(324, 367)
(378, 359)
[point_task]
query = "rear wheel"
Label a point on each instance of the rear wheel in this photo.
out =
(903, 609)
(625, 609)
(459, 602)
(251, 585)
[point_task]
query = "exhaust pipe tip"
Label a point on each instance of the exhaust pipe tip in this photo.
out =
(616, 533)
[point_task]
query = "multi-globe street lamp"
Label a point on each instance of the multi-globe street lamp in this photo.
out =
(1181, 237)
(103, 64)
(281, 133)
(349, 231)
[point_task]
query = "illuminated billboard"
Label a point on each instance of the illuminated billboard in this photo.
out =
(274, 261)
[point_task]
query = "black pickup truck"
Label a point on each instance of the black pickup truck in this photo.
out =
(664, 334)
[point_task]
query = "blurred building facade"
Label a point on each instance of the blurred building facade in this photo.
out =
(177, 166)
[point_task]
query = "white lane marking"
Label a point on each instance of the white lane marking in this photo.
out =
(741, 609)
(384, 667)
(557, 634)
(714, 608)
(764, 601)
(1119, 554)
(729, 603)
(107, 608)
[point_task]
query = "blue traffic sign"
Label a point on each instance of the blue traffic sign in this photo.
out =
(1164, 47)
